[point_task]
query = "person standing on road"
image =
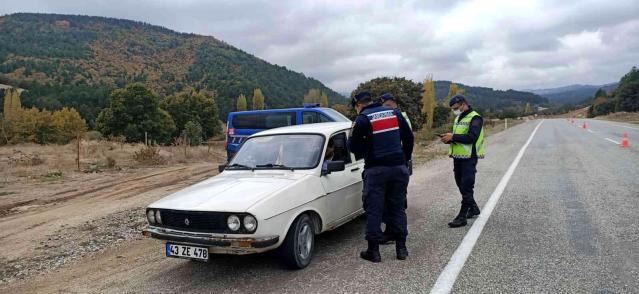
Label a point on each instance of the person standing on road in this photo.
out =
(388, 100)
(383, 138)
(466, 146)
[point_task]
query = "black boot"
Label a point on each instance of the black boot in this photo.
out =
(460, 220)
(372, 253)
(401, 250)
(473, 211)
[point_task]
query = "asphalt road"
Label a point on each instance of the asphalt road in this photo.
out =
(567, 222)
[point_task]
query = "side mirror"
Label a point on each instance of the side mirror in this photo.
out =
(221, 167)
(333, 166)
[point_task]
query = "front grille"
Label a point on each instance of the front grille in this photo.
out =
(198, 221)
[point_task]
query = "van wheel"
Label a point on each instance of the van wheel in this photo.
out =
(297, 249)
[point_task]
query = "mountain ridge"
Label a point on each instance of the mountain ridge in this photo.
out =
(76, 60)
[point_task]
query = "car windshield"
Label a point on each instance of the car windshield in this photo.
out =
(294, 151)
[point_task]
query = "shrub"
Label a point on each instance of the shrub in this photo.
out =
(93, 136)
(193, 131)
(149, 155)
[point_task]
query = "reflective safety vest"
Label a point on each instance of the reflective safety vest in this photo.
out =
(461, 127)
(407, 120)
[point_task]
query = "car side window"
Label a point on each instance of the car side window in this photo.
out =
(340, 148)
(310, 117)
(323, 118)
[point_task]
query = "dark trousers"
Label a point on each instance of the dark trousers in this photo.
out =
(465, 170)
(385, 186)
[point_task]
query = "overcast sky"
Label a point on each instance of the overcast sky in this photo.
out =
(502, 44)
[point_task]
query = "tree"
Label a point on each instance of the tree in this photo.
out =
(258, 99)
(453, 90)
(428, 100)
(323, 100)
(193, 131)
(12, 104)
(441, 116)
(313, 96)
(627, 96)
(193, 106)
(241, 103)
(527, 109)
(343, 109)
(68, 124)
(406, 92)
(627, 93)
(600, 93)
(133, 111)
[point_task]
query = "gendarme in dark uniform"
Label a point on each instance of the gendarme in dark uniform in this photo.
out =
(466, 146)
(382, 136)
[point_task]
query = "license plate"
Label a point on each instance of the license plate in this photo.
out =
(185, 251)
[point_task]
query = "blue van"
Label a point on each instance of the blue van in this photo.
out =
(242, 124)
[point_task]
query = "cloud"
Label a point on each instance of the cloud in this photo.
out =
(496, 43)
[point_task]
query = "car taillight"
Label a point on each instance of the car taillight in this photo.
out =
(230, 131)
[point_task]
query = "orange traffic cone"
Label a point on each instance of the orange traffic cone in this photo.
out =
(624, 141)
(584, 125)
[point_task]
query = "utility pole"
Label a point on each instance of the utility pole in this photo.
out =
(77, 158)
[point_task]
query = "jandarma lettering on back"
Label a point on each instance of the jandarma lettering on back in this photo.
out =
(381, 115)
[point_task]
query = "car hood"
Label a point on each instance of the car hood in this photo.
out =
(229, 193)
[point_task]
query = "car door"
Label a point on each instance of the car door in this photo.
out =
(343, 188)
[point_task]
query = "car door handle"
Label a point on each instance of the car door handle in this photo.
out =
(354, 169)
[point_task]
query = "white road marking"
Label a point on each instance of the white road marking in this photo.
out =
(589, 130)
(448, 276)
(613, 141)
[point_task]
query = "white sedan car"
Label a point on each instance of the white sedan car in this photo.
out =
(278, 192)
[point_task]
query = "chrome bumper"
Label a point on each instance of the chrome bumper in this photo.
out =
(199, 239)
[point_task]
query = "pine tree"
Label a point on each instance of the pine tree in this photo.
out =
(313, 96)
(452, 91)
(258, 99)
(527, 109)
(241, 103)
(428, 100)
(323, 100)
(12, 104)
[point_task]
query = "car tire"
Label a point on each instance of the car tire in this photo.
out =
(298, 246)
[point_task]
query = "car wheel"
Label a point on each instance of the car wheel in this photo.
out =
(297, 249)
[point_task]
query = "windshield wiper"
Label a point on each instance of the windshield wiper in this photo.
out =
(241, 166)
(273, 165)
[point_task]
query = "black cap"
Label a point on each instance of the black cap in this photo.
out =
(361, 97)
(456, 99)
(386, 96)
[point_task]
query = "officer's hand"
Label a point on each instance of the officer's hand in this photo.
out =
(446, 138)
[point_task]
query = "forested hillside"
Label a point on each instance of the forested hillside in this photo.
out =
(76, 61)
(489, 98)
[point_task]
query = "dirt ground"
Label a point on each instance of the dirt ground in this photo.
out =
(628, 117)
(51, 214)
(58, 223)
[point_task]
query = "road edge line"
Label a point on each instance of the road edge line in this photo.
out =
(613, 141)
(448, 276)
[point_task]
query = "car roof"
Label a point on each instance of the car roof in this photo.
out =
(327, 128)
(321, 109)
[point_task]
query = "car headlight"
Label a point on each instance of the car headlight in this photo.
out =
(158, 217)
(150, 216)
(250, 223)
(233, 222)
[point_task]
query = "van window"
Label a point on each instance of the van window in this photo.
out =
(312, 117)
(263, 120)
